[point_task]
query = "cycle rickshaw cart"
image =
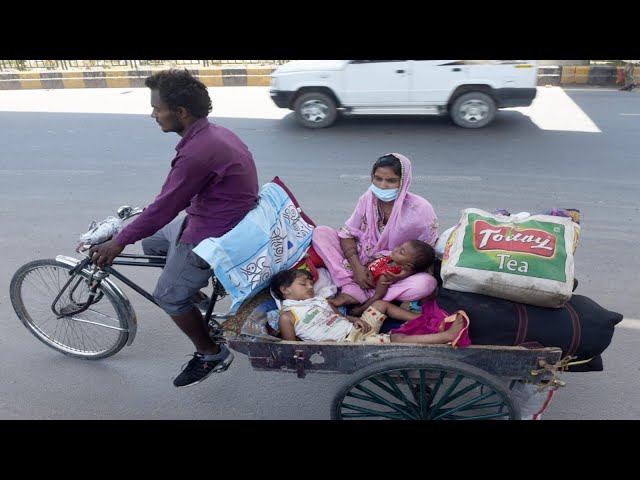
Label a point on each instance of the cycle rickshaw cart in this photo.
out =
(79, 310)
(407, 381)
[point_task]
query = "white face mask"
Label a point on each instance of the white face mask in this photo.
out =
(384, 194)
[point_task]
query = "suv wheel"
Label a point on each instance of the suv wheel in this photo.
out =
(315, 110)
(473, 110)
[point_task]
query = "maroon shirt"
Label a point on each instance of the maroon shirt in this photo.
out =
(214, 175)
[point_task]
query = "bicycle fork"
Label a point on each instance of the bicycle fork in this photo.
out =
(73, 307)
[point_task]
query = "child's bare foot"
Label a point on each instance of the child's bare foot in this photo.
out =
(342, 299)
(456, 327)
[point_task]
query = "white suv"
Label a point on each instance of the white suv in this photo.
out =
(470, 91)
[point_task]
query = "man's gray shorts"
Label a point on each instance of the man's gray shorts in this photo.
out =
(185, 272)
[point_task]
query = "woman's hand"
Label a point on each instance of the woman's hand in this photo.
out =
(363, 277)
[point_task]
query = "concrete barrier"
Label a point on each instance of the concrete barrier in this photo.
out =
(596, 75)
(549, 75)
(113, 78)
(601, 75)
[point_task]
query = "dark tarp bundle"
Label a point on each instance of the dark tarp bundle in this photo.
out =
(581, 328)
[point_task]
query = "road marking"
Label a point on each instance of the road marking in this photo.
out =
(423, 178)
(630, 114)
(629, 323)
(553, 109)
(52, 172)
(587, 89)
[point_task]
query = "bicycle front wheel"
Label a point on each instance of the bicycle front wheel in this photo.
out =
(98, 332)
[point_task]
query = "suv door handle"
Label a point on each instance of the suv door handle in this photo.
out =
(456, 69)
(399, 71)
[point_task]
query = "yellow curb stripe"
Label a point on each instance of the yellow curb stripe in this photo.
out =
(116, 73)
(73, 82)
(259, 71)
(568, 74)
(211, 81)
(30, 83)
(258, 81)
(117, 82)
(582, 75)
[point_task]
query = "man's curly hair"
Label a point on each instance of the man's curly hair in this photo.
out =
(178, 88)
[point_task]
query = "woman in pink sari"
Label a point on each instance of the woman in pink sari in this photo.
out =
(386, 216)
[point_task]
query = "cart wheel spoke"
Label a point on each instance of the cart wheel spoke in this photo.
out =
(462, 406)
(445, 396)
(424, 388)
(381, 401)
(367, 413)
(394, 390)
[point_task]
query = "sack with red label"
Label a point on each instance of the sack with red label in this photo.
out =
(527, 259)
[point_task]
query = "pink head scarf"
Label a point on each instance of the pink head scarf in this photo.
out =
(412, 218)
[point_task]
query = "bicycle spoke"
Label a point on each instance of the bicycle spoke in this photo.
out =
(101, 314)
(43, 293)
(81, 320)
(75, 337)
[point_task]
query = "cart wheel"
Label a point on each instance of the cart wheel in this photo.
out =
(423, 389)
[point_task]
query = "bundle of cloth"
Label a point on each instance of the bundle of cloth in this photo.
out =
(272, 237)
